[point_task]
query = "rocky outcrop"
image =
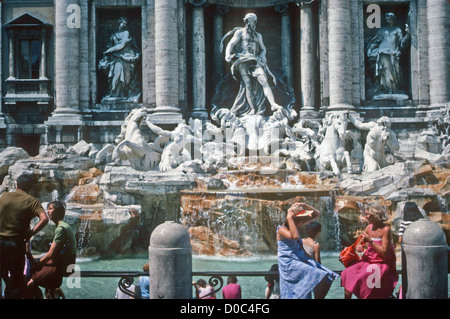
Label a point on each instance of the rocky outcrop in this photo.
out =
(232, 212)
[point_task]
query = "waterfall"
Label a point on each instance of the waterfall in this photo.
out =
(84, 234)
(54, 196)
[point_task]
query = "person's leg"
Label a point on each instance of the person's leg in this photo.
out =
(347, 294)
(15, 286)
(321, 290)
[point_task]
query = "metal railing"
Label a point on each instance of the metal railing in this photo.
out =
(215, 277)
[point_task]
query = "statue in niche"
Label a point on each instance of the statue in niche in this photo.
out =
(251, 85)
(384, 51)
(378, 138)
(120, 60)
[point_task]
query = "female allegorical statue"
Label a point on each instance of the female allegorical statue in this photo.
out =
(385, 49)
(120, 59)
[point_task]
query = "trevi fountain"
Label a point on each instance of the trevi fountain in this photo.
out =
(230, 169)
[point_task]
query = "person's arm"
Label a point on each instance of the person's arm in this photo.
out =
(43, 220)
(292, 232)
(263, 50)
(119, 46)
(54, 248)
(383, 248)
(360, 125)
(28, 252)
(316, 249)
(234, 40)
(196, 290)
(268, 291)
(360, 246)
(156, 129)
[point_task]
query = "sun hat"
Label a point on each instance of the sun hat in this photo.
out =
(301, 211)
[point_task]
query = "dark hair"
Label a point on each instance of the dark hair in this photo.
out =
(201, 283)
(25, 182)
(271, 278)
(60, 209)
(312, 228)
(232, 279)
(411, 212)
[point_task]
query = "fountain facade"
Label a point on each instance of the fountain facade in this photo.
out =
(199, 118)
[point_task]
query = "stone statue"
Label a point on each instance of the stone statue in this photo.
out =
(120, 60)
(385, 49)
(231, 128)
(305, 144)
(332, 152)
(379, 136)
(277, 133)
(441, 128)
(252, 85)
(179, 149)
(132, 145)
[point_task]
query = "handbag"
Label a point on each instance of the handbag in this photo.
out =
(348, 255)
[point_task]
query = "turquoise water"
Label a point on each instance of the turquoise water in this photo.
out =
(252, 287)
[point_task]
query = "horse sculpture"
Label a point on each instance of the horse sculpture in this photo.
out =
(331, 152)
(132, 146)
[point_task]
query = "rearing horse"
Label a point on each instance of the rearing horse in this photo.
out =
(331, 152)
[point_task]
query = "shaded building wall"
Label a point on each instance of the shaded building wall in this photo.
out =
(328, 36)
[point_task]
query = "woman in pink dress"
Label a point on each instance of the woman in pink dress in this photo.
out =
(374, 276)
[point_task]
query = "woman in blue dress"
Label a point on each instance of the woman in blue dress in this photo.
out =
(299, 274)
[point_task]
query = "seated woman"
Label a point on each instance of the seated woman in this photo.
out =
(374, 276)
(53, 265)
(203, 291)
(310, 244)
(299, 274)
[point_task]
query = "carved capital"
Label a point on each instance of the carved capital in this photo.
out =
(199, 3)
(305, 3)
(281, 8)
(221, 9)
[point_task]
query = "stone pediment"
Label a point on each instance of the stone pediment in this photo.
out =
(26, 20)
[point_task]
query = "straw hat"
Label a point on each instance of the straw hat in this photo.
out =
(301, 211)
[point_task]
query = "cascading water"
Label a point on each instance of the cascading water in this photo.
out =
(84, 234)
(245, 216)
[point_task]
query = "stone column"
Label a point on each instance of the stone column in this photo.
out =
(218, 64)
(286, 43)
(43, 68)
(67, 64)
(340, 57)
(12, 74)
(198, 61)
(167, 109)
(438, 16)
(307, 59)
